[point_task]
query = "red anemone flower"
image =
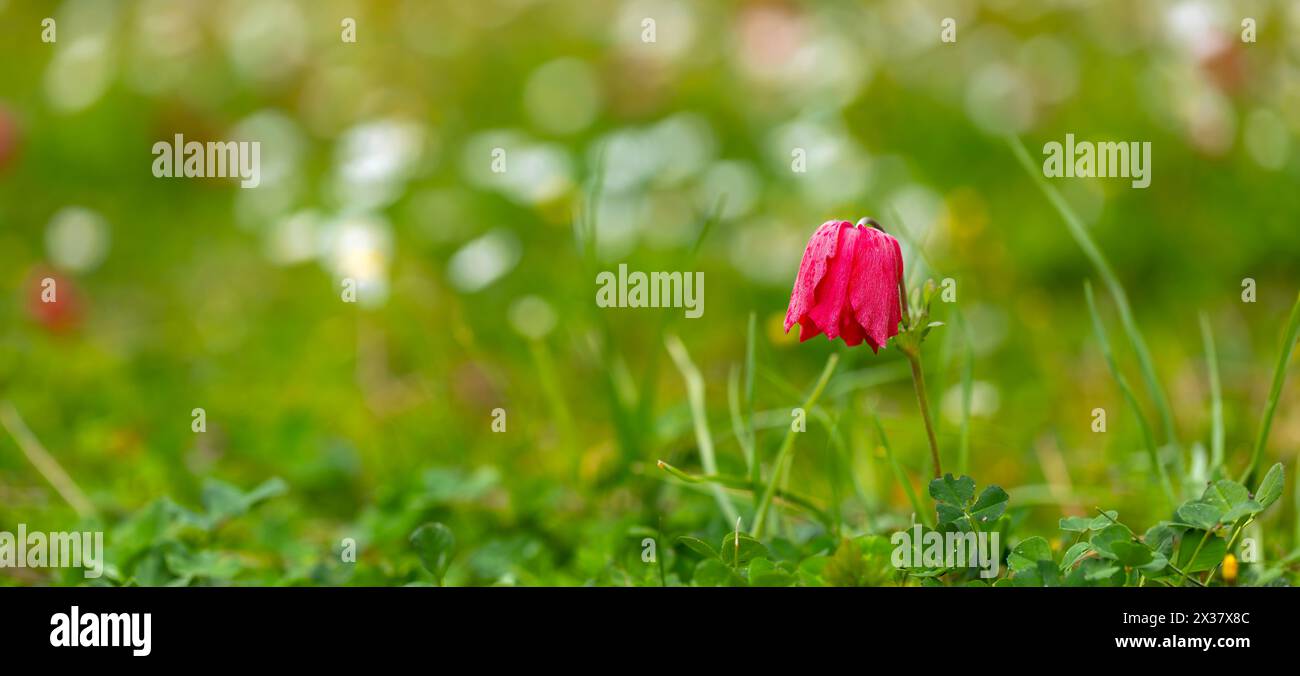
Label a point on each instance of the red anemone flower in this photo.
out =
(848, 285)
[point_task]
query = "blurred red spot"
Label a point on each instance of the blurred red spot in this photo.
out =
(8, 138)
(1225, 66)
(53, 301)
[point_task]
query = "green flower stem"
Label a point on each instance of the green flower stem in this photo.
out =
(912, 350)
(918, 382)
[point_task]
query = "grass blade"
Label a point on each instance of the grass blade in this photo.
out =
(967, 391)
(584, 222)
(1216, 396)
(899, 475)
(833, 463)
(1279, 377)
(1128, 394)
(737, 422)
(554, 394)
(44, 462)
(783, 455)
(711, 222)
(755, 469)
(627, 422)
(643, 412)
(740, 483)
(871, 376)
(1098, 259)
(695, 396)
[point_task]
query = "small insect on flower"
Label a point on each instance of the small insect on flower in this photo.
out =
(1230, 569)
(847, 285)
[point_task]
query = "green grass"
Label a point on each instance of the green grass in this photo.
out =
(368, 428)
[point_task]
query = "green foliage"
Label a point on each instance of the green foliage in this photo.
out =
(1171, 552)
(434, 543)
(1270, 487)
(165, 544)
(375, 415)
(958, 507)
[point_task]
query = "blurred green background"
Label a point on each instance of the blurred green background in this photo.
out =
(475, 295)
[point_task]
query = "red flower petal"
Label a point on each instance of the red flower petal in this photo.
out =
(847, 286)
(821, 247)
(874, 297)
(832, 292)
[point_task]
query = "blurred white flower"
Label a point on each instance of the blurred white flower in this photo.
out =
(663, 154)
(484, 260)
(282, 143)
(619, 218)
(373, 161)
(674, 28)
(528, 172)
(359, 247)
(293, 239)
(684, 144)
(562, 96)
(836, 166)
(1193, 25)
(913, 27)
(79, 73)
(830, 68)
(170, 28)
(628, 157)
(538, 173)
(266, 40)
(532, 317)
(76, 239)
(163, 50)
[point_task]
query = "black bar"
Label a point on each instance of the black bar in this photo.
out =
(237, 624)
